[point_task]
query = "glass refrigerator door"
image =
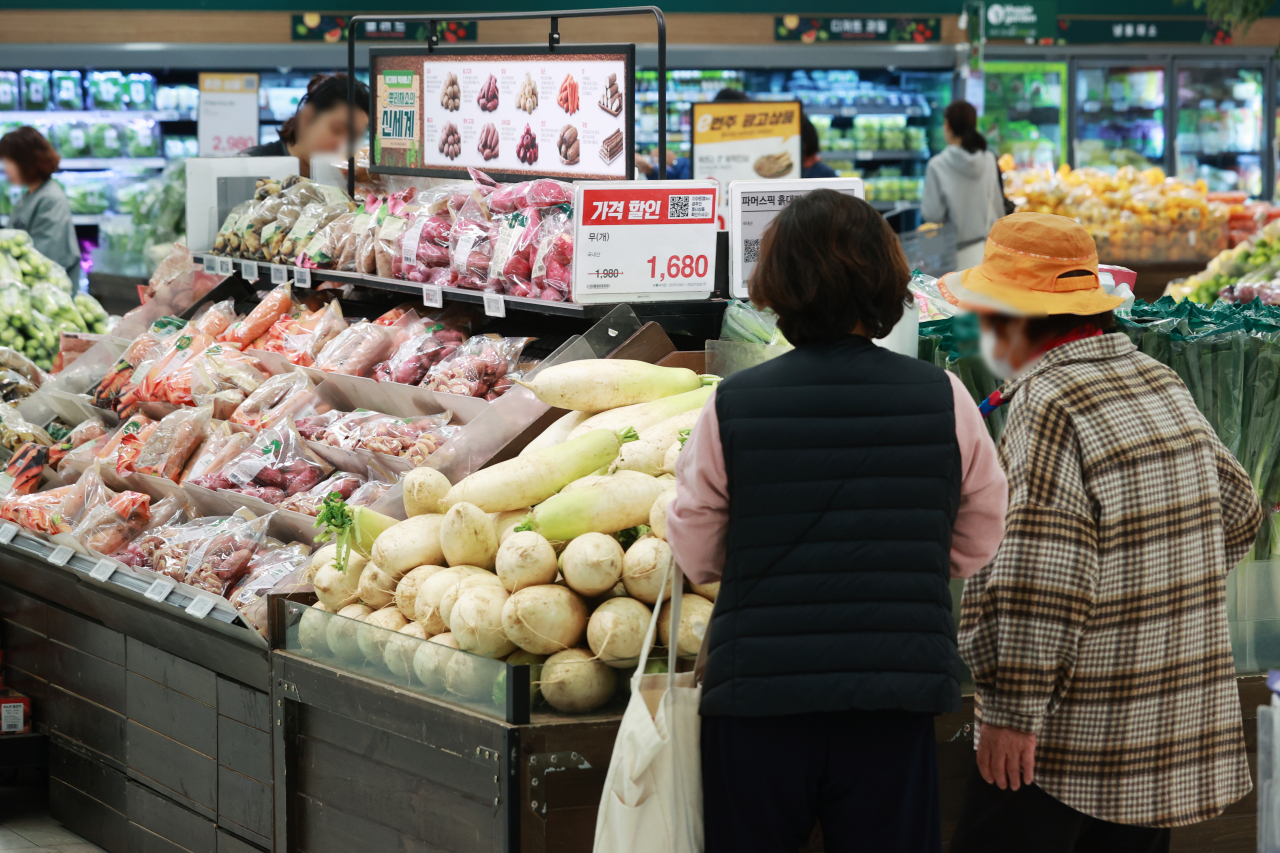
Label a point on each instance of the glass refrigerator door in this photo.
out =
(1024, 113)
(1120, 117)
(1220, 131)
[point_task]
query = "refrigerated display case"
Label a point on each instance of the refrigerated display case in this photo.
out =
(1025, 111)
(1220, 125)
(684, 88)
(1120, 115)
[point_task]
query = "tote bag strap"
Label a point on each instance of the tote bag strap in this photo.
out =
(677, 588)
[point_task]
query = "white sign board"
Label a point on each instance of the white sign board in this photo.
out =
(644, 240)
(755, 204)
(228, 114)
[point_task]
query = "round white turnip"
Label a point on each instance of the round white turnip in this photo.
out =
(431, 658)
(616, 631)
(426, 608)
(574, 682)
(709, 591)
(318, 559)
(423, 488)
(525, 559)
(545, 619)
(695, 616)
(341, 633)
(476, 622)
(413, 542)
(378, 628)
(465, 582)
(377, 588)
(401, 647)
(507, 522)
(407, 589)
(592, 563)
(468, 537)
(469, 676)
(643, 567)
(311, 629)
(658, 513)
(336, 588)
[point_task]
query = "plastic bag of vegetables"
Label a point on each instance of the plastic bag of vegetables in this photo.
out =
(15, 430)
(312, 219)
(104, 139)
(58, 306)
(223, 244)
(70, 138)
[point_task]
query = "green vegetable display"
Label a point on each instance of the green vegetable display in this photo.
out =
(106, 90)
(65, 90)
(140, 92)
(24, 329)
(20, 262)
(70, 138)
(743, 322)
(1256, 261)
(35, 90)
(104, 139)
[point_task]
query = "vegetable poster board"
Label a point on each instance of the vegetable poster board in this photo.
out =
(745, 141)
(515, 113)
(753, 205)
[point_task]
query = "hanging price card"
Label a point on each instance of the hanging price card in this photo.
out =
(7, 532)
(494, 305)
(61, 554)
(211, 264)
(159, 590)
(103, 571)
(644, 240)
(431, 296)
(225, 266)
(249, 270)
(302, 277)
(278, 274)
(200, 607)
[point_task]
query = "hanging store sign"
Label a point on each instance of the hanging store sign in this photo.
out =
(860, 28)
(1123, 31)
(745, 141)
(332, 29)
(228, 114)
(1029, 22)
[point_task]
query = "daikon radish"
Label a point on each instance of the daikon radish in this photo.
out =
(594, 385)
(644, 415)
(616, 631)
(377, 629)
(604, 507)
(695, 616)
(556, 433)
(414, 542)
(476, 622)
(377, 587)
(643, 567)
(525, 559)
(574, 682)
(407, 589)
(431, 659)
(423, 489)
(341, 632)
(709, 591)
(600, 478)
(527, 480)
(544, 619)
(403, 645)
(648, 455)
(658, 513)
(669, 461)
(468, 537)
(592, 564)
(311, 629)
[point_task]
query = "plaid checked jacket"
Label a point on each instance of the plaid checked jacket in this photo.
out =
(1101, 624)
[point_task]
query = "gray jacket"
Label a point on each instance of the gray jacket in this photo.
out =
(46, 216)
(963, 189)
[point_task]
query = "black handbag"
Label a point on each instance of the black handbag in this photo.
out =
(1009, 206)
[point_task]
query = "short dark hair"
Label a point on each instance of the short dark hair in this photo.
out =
(828, 262)
(962, 118)
(727, 94)
(808, 138)
(1057, 325)
(325, 92)
(31, 153)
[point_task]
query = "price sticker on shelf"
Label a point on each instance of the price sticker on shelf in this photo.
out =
(200, 607)
(61, 554)
(494, 305)
(279, 275)
(654, 240)
(103, 571)
(249, 270)
(225, 266)
(431, 296)
(302, 277)
(211, 264)
(160, 590)
(7, 532)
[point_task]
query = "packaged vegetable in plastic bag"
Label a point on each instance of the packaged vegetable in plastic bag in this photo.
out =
(56, 510)
(314, 427)
(471, 245)
(743, 322)
(136, 425)
(353, 248)
(26, 467)
(276, 392)
(218, 563)
(413, 358)
(423, 245)
(154, 386)
(88, 430)
(278, 462)
(276, 304)
(480, 368)
(326, 247)
(357, 350)
(542, 192)
(378, 484)
(219, 449)
(214, 318)
(109, 527)
(267, 569)
(313, 218)
(301, 338)
(552, 264)
(309, 502)
(19, 363)
(15, 430)
(108, 390)
(172, 442)
(223, 378)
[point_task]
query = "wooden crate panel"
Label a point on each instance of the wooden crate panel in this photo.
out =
(88, 818)
(244, 704)
(80, 770)
(173, 672)
(29, 612)
(25, 648)
(88, 724)
(324, 828)
(244, 802)
(33, 687)
(174, 715)
(174, 766)
(228, 843)
(170, 821)
(86, 635)
(245, 750)
(87, 676)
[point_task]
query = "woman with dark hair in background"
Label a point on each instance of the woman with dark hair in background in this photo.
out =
(962, 185)
(44, 213)
(320, 125)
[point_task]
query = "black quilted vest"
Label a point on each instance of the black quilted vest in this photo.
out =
(844, 482)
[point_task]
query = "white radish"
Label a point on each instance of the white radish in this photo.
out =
(695, 616)
(468, 537)
(658, 513)
(556, 433)
(319, 559)
(311, 629)
(377, 588)
(413, 542)
(525, 559)
(336, 588)
(648, 455)
(426, 609)
(594, 385)
(407, 589)
(469, 676)
(527, 480)
(616, 631)
(507, 522)
(643, 567)
(574, 682)
(595, 479)
(431, 658)
(377, 629)
(644, 415)
(592, 564)
(604, 507)
(669, 461)
(545, 619)
(476, 622)
(709, 591)
(464, 583)
(423, 488)
(401, 647)
(341, 632)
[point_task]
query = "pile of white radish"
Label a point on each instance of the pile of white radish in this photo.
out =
(521, 561)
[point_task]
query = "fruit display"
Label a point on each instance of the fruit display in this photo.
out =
(450, 141)
(1248, 270)
(488, 144)
(450, 93)
(567, 96)
(527, 148)
(488, 95)
(527, 97)
(1134, 217)
(568, 146)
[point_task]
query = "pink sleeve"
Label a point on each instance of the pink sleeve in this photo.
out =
(984, 491)
(698, 519)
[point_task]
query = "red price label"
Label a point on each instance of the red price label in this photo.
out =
(679, 266)
(231, 144)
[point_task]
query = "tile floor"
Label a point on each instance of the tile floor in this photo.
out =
(25, 825)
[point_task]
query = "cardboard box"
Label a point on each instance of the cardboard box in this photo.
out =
(15, 713)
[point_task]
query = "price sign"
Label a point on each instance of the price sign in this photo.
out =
(200, 607)
(228, 114)
(7, 532)
(159, 590)
(755, 204)
(278, 274)
(211, 264)
(494, 305)
(431, 296)
(61, 554)
(225, 266)
(103, 571)
(249, 270)
(650, 240)
(302, 277)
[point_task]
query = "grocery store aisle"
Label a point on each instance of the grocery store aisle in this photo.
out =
(25, 825)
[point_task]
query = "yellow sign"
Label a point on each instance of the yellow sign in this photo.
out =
(229, 83)
(735, 121)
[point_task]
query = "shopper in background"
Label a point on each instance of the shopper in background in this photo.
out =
(681, 168)
(962, 184)
(320, 125)
(811, 165)
(833, 491)
(1098, 636)
(44, 213)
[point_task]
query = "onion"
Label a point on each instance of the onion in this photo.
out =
(592, 563)
(643, 567)
(311, 629)
(574, 682)
(423, 488)
(401, 647)
(341, 633)
(544, 619)
(377, 629)
(335, 588)
(695, 615)
(476, 622)
(616, 631)
(431, 658)
(525, 559)
(407, 589)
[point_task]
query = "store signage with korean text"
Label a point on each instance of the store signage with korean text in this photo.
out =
(1029, 22)
(332, 29)
(399, 120)
(859, 28)
(1169, 31)
(745, 141)
(228, 114)
(654, 240)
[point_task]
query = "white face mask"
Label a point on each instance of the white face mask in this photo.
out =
(999, 367)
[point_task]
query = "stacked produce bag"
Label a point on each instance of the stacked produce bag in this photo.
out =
(21, 263)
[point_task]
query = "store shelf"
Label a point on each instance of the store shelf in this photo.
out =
(911, 111)
(1121, 108)
(27, 116)
(76, 219)
(884, 155)
(112, 163)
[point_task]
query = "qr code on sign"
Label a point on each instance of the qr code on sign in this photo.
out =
(678, 207)
(750, 251)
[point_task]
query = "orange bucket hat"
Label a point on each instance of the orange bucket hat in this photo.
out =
(1022, 269)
